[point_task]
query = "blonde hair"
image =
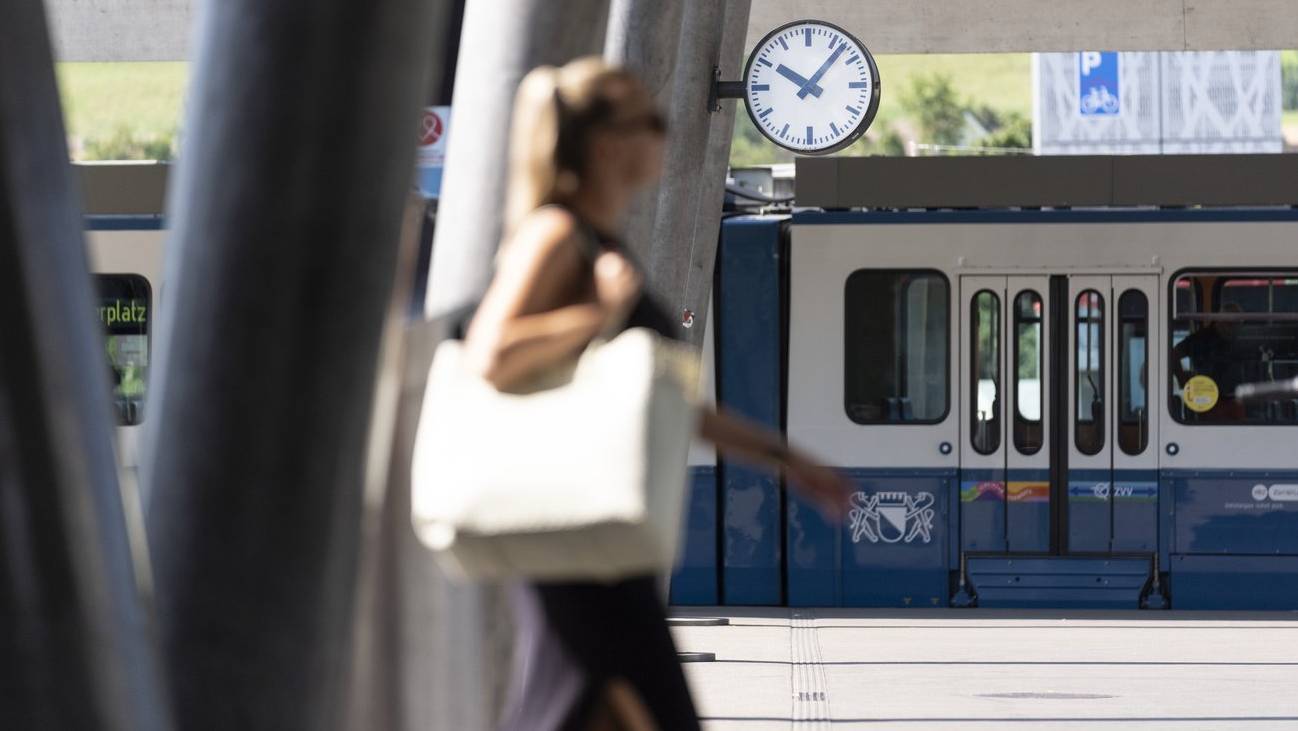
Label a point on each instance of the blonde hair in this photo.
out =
(555, 110)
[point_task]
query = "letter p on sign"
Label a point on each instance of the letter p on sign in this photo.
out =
(1090, 60)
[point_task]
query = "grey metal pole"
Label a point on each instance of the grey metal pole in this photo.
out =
(689, 203)
(644, 36)
(75, 641)
(286, 209)
(501, 41)
(467, 630)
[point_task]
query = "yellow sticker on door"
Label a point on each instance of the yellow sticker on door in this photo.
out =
(1200, 394)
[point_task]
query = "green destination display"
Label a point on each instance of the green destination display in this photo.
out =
(124, 311)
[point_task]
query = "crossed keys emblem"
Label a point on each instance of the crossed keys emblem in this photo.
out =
(892, 517)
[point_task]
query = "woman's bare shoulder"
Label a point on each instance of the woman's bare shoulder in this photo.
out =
(545, 234)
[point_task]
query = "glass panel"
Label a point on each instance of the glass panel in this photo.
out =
(896, 359)
(1089, 426)
(124, 311)
(1029, 386)
(986, 359)
(1133, 371)
(1237, 327)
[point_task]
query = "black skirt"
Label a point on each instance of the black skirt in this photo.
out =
(573, 638)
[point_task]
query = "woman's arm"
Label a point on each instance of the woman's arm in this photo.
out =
(523, 325)
(525, 345)
(743, 440)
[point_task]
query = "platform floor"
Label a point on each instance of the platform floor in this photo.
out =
(993, 669)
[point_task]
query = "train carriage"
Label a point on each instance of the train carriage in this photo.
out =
(1037, 406)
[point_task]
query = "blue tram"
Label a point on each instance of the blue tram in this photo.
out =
(1037, 406)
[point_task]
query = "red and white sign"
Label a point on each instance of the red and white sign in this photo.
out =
(433, 125)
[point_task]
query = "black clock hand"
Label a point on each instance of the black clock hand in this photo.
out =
(798, 79)
(806, 88)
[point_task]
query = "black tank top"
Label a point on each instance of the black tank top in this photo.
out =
(647, 312)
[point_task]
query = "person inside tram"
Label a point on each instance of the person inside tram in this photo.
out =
(586, 138)
(1211, 350)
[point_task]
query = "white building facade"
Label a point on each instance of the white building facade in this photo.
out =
(1100, 103)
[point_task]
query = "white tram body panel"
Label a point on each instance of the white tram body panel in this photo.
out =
(823, 255)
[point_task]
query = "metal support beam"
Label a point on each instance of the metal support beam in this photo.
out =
(74, 638)
(286, 208)
(501, 41)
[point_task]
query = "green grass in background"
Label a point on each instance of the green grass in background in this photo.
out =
(133, 110)
(115, 109)
(1002, 81)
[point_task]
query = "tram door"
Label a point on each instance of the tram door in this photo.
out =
(1056, 454)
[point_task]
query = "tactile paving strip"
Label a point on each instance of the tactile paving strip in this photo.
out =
(810, 687)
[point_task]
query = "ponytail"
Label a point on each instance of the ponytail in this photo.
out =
(555, 111)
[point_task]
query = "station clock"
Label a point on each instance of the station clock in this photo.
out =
(811, 87)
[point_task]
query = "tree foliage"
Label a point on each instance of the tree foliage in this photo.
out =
(935, 106)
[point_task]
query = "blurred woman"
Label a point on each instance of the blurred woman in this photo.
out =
(586, 138)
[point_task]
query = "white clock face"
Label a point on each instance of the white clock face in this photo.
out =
(811, 87)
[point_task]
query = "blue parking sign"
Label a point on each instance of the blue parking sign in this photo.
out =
(1097, 81)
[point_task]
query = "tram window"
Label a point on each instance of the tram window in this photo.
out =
(1089, 355)
(985, 330)
(125, 311)
(1133, 371)
(1242, 327)
(1028, 384)
(897, 342)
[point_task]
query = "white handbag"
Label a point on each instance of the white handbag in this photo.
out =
(583, 480)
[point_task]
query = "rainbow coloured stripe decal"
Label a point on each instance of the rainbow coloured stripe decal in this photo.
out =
(979, 490)
(1029, 492)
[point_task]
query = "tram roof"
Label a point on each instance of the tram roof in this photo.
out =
(1039, 182)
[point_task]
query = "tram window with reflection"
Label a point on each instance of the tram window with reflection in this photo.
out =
(1229, 328)
(124, 312)
(1133, 372)
(986, 362)
(1028, 383)
(1089, 375)
(896, 349)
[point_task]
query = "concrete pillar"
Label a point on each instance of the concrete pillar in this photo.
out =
(716, 162)
(466, 630)
(644, 36)
(501, 41)
(689, 204)
(285, 208)
(75, 643)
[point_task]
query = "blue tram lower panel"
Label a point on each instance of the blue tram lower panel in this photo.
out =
(1234, 542)
(1027, 511)
(813, 554)
(891, 551)
(694, 581)
(982, 510)
(749, 381)
(1089, 519)
(1135, 511)
(1234, 582)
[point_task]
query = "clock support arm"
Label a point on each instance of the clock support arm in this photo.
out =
(723, 90)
